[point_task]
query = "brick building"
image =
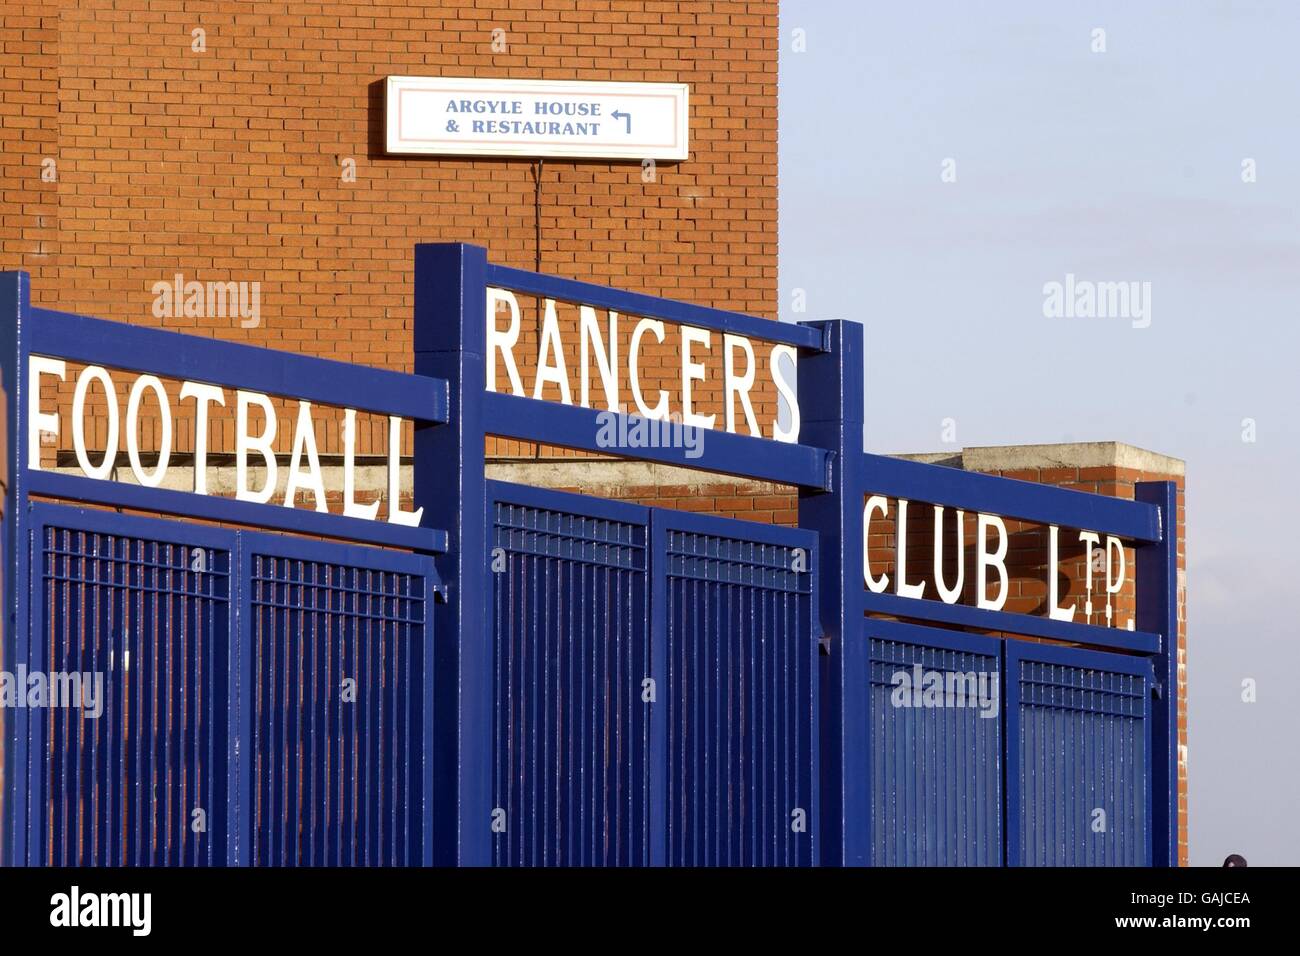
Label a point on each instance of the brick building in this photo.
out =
(149, 140)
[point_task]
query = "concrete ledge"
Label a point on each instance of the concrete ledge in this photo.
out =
(612, 477)
(607, 475)
(1088, 454)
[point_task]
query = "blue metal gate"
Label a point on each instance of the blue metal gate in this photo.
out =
(649, 709)
(147, 605)
(1078, 734)
(571, 650)
(1063, 759)
(339, 671)
(629, 686)
(936, 765)
(737, 651)
(264, 700)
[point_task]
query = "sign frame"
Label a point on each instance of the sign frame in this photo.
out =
(671, 143)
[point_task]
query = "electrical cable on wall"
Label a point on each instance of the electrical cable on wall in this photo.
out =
(537, 216)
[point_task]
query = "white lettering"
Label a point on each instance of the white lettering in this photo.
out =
(606, 362)
(244, 442)
(38, 421)
(155, 385)
(660, 411)
(503, 342)
(996, 560)
(304, 440)
(738, 386)
(785, 387)
(693, 371)
(203, 396)
(901, 586)
(874, 503)
(94, 373)
(949, 595)
(1056, 612)
(350, 506)
(547, 372)
(395, 513)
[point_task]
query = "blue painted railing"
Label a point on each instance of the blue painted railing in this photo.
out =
(831, 395)
(453, 415)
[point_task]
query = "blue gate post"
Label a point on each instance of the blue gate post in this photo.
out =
(831, 393)
(1157, 612)
(15, 314)
(450, 338)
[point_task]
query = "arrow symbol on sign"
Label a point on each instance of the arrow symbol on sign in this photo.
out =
(627, 116)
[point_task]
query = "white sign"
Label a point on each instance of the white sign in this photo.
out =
(991, 558)
(251, 444)
(464, 117)
(598, 352)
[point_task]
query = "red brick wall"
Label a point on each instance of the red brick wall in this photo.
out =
(737, 498)
(227, 164)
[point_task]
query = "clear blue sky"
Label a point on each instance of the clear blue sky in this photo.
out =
(1117, 166)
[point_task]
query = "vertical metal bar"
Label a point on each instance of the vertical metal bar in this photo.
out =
(15, 564)
(1146, 835)
(426, 637)
(308, 734)
(551, 634)
(1011, 826)
(118, 687)
(94, 623)
(64, 779)
(831, 396)
(497, 619)
(336, 745)
(149, 641)
(450, 342)
(352, 794)
(190, 677)
(658, 614)
(1157, 611)
(812, 635)
(172, 743)
(245, 632)
(393, 712)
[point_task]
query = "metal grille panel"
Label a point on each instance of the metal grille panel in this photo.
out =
(740, 696)
(1082, 749)
(338, 698)
(150, 617)
(936, 788)
(571, 651)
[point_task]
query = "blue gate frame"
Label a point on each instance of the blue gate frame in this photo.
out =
(1079, 756)
(453, 414)
(833, 474)
(124, 558)
(590, 599)
(451, 283)
(936, 774)
(107, 591)
(569, 617)
(831, 394)
(736, 647)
